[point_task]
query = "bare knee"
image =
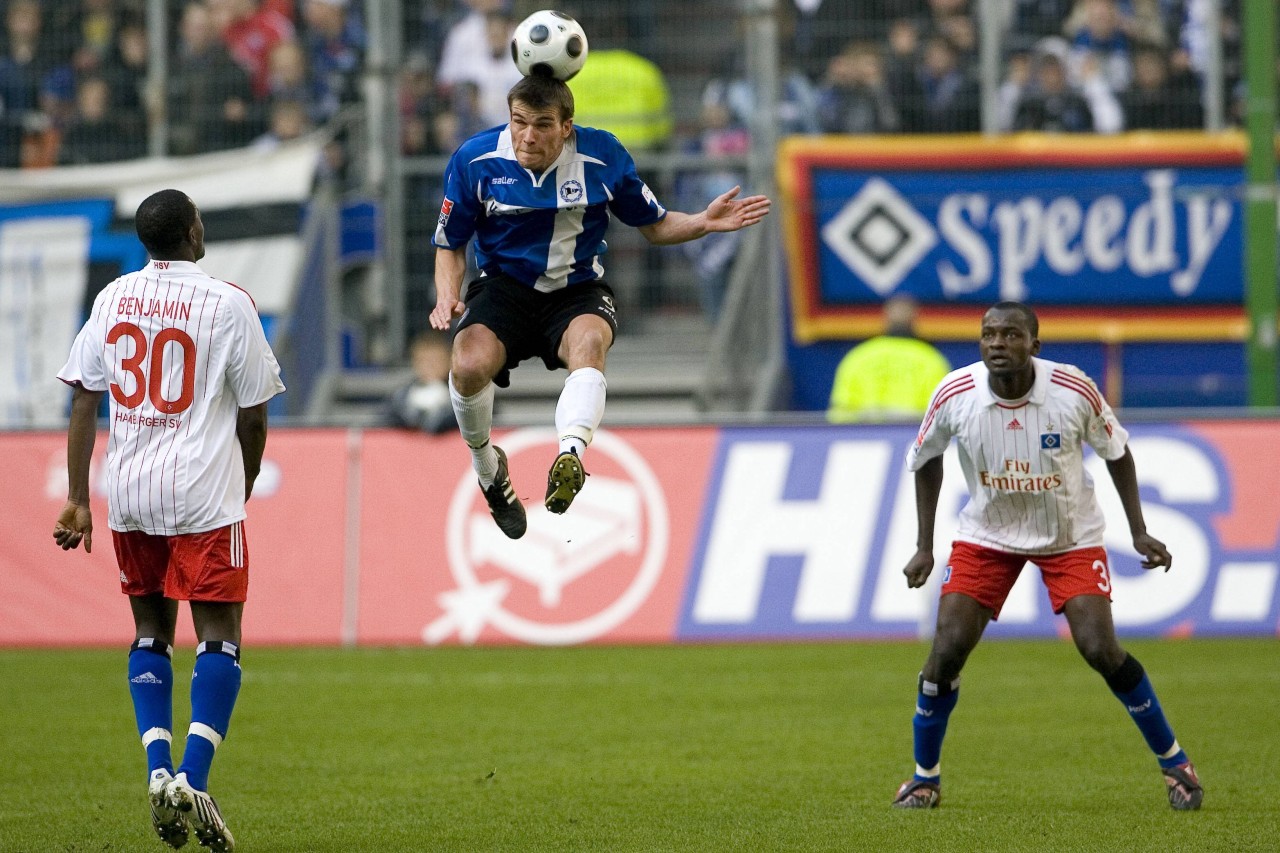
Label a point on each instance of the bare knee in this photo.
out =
(1102, 653)
(474, 363)
(586, 343)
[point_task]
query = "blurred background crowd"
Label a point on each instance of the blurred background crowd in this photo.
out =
(96, 81)
(75, 87)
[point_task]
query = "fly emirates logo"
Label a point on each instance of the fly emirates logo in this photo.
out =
(1016, 476)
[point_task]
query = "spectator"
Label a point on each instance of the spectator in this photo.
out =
(24, 64)
(1038, 18)
(209, 95)
(489, 68)
(853, 97)
(460, 43)
(900, 67)
(1053, 105)
(1157, 102)
(1017, 79)
(288, 80)
(952, 19)
(97, 133)
(423, 402)
(334, 39)
(286, 120)
(626, 93)
(713, 255)
(1100, 36)
(250, 31)
(945, 98)
(126, 73)
(888, 377)
(420, 109)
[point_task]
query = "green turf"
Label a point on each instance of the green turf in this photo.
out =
(718, 747)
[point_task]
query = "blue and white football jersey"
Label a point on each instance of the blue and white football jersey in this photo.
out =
(544, 231)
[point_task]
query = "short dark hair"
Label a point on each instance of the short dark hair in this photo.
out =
(164, 221)
(542, 92)
(1028, 316)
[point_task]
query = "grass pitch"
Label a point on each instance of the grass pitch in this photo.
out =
(698, 748)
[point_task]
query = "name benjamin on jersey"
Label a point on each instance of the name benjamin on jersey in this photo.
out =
(132, 305)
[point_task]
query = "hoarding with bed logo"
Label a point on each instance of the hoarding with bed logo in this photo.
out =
(381, 537)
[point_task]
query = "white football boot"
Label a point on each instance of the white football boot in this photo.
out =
(202, 813)
(169, 823)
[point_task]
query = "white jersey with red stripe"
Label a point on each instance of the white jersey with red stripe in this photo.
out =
(1023, 459)
(181, 354)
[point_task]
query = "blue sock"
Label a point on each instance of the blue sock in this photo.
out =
(151, 686)
(214, 686)
(1132, 687)
(934, 704)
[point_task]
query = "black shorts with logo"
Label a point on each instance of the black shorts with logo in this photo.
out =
(529, 322)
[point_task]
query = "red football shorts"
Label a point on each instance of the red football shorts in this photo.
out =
(986, 575)
(209, 566)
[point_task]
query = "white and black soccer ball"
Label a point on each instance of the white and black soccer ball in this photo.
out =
(549, 43)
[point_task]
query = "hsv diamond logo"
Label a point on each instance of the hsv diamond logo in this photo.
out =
(880, 236)
(571, 578)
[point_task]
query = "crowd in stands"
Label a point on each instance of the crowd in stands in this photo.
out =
(74, 76)
(1100, 66)
(74, 73)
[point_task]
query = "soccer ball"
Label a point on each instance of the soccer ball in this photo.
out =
(549, 43)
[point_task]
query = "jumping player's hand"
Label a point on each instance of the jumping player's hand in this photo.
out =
(1154, 554)
(918, 569)
(74, 523)
(729, 213)
(447, 308)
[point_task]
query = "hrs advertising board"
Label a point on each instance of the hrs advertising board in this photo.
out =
(681, 535)
(1144, 231)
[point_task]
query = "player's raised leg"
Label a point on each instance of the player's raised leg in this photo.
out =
(583, 349)
(961, 621)
(1093, 630)
(478, 355)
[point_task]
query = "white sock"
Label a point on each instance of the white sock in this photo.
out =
(580, 409)
(475, 421)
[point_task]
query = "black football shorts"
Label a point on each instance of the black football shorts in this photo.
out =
(529, 322)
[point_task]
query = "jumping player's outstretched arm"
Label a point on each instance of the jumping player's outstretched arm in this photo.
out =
(928, 487)
(451, 266)
(1125, 476)
(725, 213)
(75, 522)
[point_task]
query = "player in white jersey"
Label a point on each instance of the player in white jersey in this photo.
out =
(190, 372)
(1020, 424)
(537, 196)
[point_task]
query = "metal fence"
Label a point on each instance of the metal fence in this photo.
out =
(88, 81)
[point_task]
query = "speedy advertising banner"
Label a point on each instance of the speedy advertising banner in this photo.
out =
(680, 535)
(1138, 236)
